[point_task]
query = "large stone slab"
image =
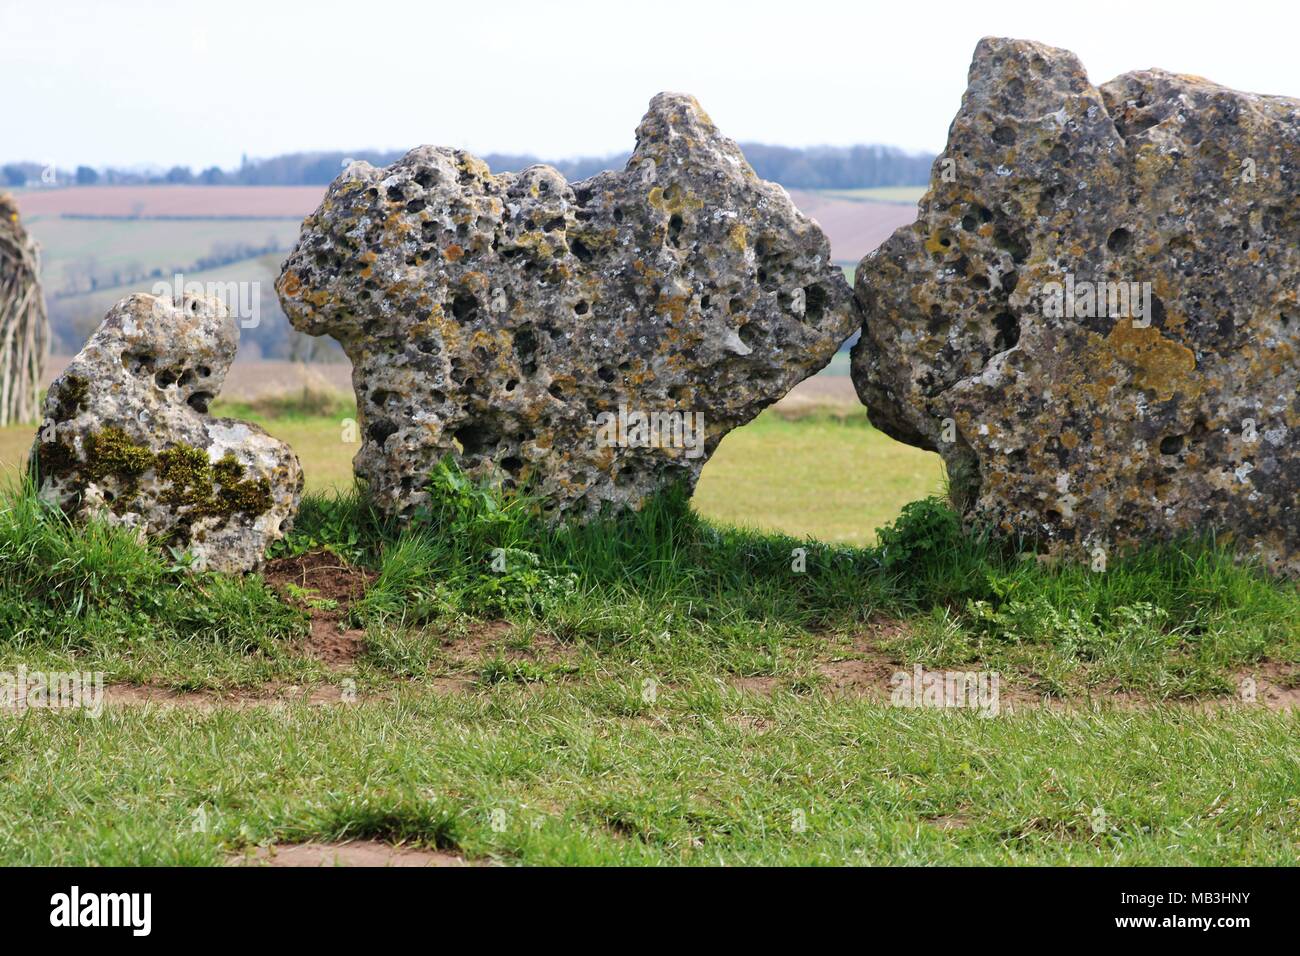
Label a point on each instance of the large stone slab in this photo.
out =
(1092, 426)
(127, 436)
(532, 328)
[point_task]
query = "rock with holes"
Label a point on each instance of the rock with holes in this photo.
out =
(1094, 318)
(127, 436)
(590, 341)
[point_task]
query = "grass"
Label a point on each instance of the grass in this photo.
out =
(829, 475)
(668, 591)
(657, 688)
(706, 776)
(95, 598)
(832, 477)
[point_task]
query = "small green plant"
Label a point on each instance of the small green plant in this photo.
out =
(922, 533)
(307, 597)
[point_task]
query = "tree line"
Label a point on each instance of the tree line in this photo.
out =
(817, 167)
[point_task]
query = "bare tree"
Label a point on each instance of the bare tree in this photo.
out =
(24, 327)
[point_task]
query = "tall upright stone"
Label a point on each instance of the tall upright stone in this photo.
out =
(1094, 318)
(593, 341)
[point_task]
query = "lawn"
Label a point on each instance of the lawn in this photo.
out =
(829, 475)
(661, 688)
(704, 776)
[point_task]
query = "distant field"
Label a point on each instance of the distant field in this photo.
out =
(853, 221)
(854, 227)
(268, 202)
(262, 270)
(907, 195)
(100, 246)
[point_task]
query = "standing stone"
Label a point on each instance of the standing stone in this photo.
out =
(591, 341)
(127, 437)
(1094, 318)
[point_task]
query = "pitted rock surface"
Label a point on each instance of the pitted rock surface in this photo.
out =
(126, 436)
(504, 319)
(1087, 431)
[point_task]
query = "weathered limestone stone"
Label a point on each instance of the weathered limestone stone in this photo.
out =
(126, 436)
(1063, 414)
(524, 324)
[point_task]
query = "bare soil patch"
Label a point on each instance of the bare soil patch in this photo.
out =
(862, 668)
(859, 669)
(1277, 685)
(950, 821)
(326, 589)
(271, 695)
(357, 853)
(492, 639)
(762, 684)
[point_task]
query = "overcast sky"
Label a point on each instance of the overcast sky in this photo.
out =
(129, 83)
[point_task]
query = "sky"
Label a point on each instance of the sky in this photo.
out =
(158, 84)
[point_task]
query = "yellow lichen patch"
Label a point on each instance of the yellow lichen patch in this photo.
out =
(290, 285)
(934, 245)
(1158, 363)
(473, 166)
(673, 199)
(738, 237)
(453, 253)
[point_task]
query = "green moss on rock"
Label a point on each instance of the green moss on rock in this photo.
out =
(72, 397)
(199, 487)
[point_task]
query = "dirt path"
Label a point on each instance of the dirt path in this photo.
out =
(358, 853)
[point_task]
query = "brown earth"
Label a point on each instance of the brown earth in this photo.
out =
(270, 695)
(357, 853)
(333, 587)
(863, 669)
